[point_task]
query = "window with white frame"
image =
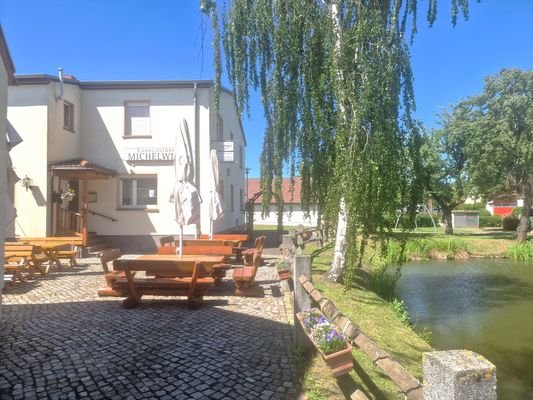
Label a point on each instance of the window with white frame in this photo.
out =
(68, 116)
(138, 192)
(137, 118)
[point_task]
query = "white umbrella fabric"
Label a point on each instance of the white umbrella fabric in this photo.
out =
(12, 139)
(216, 204)
(185, 197)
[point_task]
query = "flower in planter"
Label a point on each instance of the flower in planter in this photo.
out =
(282, 264)
(323, 332)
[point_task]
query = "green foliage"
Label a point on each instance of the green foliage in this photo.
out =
(510, 222)
(521, 251)
(486, 221)
(425, 334)
(499, 127)
(472, 207)
(383, 282)
(336, 85)
(282, 264)
(400, 310)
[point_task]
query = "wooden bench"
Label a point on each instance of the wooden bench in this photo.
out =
(218, 271)
(171, 278)
(245, 277)
(235, 239)
(110, 275)
(27, 257)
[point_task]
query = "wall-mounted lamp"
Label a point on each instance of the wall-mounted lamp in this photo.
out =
(27, 182)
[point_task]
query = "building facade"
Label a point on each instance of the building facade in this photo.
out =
(99, 156)
(293, 214)
(7, 70)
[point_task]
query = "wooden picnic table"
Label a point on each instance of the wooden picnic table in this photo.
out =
(166, 275)
(52, 246)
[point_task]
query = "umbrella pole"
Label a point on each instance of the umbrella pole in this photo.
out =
(180, 249)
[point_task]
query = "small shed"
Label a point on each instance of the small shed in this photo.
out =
(465, 219)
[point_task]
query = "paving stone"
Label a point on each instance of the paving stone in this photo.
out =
(91, 347)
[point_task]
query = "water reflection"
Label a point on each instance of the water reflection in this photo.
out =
(482, 305)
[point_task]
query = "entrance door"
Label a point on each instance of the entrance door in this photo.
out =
(74, 205)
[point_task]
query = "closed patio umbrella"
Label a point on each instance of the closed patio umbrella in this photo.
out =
(12, 139)
(185, 197)
(216, 205)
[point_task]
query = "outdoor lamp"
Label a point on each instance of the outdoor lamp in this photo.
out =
(27, 182)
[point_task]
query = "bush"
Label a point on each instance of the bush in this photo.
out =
(471, 207)
(424, 220)
(510, 222)
(490, 221)
(521, 251)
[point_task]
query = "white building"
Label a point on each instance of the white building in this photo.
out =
(112, 143)
(6, 78)
(293, 214)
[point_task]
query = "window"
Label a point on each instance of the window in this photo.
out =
(68, 116)
(138, 192)
(220, 128)
(231, 198)
(137, 118)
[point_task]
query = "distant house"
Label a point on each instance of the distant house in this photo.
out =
(292, 213)
(7, 70)
(504, 205)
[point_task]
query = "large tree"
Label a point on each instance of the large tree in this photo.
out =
(444, 159)
(336, 86)
(500, 138)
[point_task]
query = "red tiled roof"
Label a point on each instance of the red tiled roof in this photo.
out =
(289, 197)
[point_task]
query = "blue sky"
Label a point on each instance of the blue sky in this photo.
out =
(164, 39)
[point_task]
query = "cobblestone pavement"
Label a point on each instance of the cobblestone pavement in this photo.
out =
(60, 341)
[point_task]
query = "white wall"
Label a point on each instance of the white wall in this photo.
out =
(3, 166)
(293, 215)
(28, 113)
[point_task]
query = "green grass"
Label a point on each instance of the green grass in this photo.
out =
(377, 319)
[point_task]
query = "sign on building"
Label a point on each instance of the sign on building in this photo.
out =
(225, 151)
(150, 154)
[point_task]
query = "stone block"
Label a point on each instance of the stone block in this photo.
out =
(458, 375)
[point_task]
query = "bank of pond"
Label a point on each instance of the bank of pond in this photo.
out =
(484, 305)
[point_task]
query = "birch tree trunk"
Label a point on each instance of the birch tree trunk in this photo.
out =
(339, 257)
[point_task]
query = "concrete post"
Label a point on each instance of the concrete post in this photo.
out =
(458, 375)
(287, 246)
(302, 301)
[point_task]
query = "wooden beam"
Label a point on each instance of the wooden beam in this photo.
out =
(84, 219)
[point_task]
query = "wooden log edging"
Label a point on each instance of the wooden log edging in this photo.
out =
(407, 383)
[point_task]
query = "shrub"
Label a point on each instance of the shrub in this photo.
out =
(510, 222)
(399, 308)
(424, 220)
(490, 221)
(520, 251)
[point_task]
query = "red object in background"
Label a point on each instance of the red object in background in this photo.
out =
(503, 211)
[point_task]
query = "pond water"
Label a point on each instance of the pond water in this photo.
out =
(482, 305)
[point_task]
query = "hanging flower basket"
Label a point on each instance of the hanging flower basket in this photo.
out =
(332, 346)
(68, 195)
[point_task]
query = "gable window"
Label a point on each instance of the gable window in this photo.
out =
(137, 118)
(220, 128)
(68, 116)
(138, 192)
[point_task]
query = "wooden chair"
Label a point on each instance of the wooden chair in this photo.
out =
(245, 277)
(167, 241)
(249, 254)
(170, 278)
(110, 275)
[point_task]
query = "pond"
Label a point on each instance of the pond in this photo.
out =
(483, 305)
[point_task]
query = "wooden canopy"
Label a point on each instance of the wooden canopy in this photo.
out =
(81, 169)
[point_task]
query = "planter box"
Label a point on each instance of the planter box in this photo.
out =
(340, 362)
(284, 274)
